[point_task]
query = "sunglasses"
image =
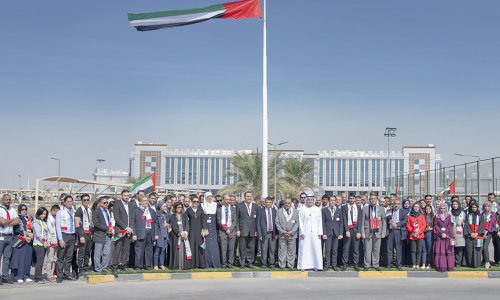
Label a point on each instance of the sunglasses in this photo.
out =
(85, 200)
(196, 201)
(105, 203)
(23, 209)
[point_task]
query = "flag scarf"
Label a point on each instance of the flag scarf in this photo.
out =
(147, 184)
(172, 18)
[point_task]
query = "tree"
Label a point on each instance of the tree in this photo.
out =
(247, 170)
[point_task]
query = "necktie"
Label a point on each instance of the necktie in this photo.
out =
(288, 211)
(351, 213)
(248, 209)
(332, 210)
(107, 216)
(269, 220)
(227, 213)
(71, 223)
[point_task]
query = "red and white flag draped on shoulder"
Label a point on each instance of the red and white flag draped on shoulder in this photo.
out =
(173, 18)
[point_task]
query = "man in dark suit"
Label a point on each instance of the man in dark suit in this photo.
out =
(144, 234)
(353, 220)
(102, 234)
(333, 231)
(84, 228)
(227, 221)
(396, 229)
(124, 214)
(268, 233)
(246, 230)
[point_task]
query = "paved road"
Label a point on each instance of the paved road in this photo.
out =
(265, 289)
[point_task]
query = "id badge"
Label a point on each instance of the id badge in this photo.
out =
(443, 228)
(2, 238)
(179, 222)
(209, 221)
(254, 216)
(337, 219)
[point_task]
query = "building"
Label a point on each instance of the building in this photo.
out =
(334, 171)
(107, 176)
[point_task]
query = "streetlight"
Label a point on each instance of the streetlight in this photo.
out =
(389, 132)
(275, 163)
(477, 163)
(20, 182)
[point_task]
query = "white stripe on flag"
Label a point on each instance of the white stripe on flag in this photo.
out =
(176, 19)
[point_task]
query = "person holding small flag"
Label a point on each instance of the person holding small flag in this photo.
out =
(22, 253)
(8, 220)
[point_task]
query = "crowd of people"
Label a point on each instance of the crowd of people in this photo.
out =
(181, 232)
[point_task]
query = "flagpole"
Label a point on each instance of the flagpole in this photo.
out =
(264, 108)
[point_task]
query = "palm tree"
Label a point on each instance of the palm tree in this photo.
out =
(248, 174)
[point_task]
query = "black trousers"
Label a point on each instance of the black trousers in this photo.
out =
(247, 250)
(496, 245)
(122, 252)
(331, 251)
(84, 251)
(394, 242)
(144, 251)
(416, 251)
(351, 244)
(40, 256)
(65, 255)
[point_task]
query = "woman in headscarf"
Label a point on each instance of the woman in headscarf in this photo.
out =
(212, 253)
(474, 235)
(162, 231)
(427, 244)
(458, 220)
(444, 256)
(405, 249)
(22, 253)
(496, 233)
(489, 221)
(416, 227)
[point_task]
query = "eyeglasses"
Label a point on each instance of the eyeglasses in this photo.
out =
(85, 200)
(106, 203)
(196, 201)
(23, 209)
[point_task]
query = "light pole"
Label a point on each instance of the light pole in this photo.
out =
(389, 132)
(58, 173)
(20, 183)
(477, 170)
(275, 163)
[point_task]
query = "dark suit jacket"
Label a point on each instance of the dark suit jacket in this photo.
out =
(403, 219)
(121, 215)
(175, 227)
(262, 223)
(234, 219)
(357, 228)
(100, 226)
(333, 226)
(247, 224)
(140, 223)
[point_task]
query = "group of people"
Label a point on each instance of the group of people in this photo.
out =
(207, 231)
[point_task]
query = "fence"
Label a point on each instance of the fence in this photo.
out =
(476, 178)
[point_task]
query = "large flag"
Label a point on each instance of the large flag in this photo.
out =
(147, 184)
(172, 18)
(450, 189)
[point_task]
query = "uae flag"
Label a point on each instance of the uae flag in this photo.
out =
(450, 189)
(147, 184)
(172, 18)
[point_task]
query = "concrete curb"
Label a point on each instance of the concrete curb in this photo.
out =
(94, 279)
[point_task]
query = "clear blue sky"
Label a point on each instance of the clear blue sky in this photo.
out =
(77, 82)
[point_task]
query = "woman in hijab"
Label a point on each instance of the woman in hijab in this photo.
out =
(212, 253)
(474, 235)
(489, 221)
(180, 252)
(444, 256)
(416, 227)
(405, 249)
(162, 231)
(458, 220)
(22, 253)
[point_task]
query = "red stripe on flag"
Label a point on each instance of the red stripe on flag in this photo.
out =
(242, 9)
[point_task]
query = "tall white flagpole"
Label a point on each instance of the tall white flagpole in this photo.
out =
(264, 108)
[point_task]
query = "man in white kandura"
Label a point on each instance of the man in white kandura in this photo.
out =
(311, 231)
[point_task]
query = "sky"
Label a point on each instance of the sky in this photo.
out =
(78, 83)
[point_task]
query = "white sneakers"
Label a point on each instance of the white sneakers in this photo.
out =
(28, 280)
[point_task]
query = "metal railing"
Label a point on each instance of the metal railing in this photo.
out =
(476, 178)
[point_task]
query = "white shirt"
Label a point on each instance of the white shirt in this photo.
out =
(3, 214)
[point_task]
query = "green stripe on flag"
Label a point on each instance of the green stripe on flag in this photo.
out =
(170, 13)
